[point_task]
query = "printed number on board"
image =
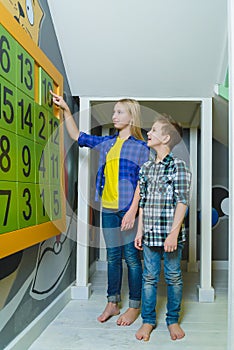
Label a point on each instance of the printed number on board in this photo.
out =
(8, 49)
(45, 85)
(25, 68)
(8, 156)
(9, 209)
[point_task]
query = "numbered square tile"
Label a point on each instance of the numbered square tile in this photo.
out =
(9, 207)
(25, 116)
(43, 203)
(27, 204)
(8, 57)
(8, 156)
(54, 165)
(54, 130)
(56, 208)
(45, 85)
(26, 160)
(41, 124)
(25, 72)
(42, 164)
(8, 105)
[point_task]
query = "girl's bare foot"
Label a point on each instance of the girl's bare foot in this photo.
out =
(144, 332)
(176, 332)
(111, 309)
(128, 317)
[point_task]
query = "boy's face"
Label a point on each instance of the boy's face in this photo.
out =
(121, 118)
(156, 136)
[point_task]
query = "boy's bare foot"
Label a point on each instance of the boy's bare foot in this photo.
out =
(128, 317)
(111, 309)
(144, 332)
(176, 332)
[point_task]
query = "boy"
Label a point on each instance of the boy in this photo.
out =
(164, 190)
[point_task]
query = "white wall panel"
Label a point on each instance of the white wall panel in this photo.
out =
(153, 48)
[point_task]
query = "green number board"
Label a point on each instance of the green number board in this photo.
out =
(30, 141)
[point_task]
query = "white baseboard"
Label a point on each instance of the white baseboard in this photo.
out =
(80, 292)
(37, 326)
(206, 295)
(217, 265)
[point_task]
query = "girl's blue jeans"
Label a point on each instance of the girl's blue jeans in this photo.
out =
(151, 276)
(120, 244)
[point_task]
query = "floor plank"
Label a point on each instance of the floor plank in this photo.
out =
(76, 327)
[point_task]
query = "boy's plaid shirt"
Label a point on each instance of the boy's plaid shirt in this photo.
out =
(162, 186)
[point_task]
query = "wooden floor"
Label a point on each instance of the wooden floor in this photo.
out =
(76, 327)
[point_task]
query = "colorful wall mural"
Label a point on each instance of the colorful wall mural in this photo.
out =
(32, 278)
(28, 13)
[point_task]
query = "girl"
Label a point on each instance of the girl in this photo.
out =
(121, 156)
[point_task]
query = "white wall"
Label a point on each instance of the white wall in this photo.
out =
(150, 48)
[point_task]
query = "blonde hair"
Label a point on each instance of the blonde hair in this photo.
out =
(170, 127)
(133, 108)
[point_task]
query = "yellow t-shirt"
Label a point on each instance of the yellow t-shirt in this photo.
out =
(110, 195)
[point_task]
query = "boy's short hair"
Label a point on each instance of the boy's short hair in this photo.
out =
(171, 128)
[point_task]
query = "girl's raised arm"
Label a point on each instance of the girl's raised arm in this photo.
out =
(71, 126)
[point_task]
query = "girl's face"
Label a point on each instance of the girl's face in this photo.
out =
(121, 118)
(156, 136)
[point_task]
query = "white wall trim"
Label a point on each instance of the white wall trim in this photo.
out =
(116, 98)
(192, 263)
(81, 289)
(206, 183)
(205, 289)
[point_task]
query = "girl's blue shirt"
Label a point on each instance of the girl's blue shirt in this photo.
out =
(134, 154)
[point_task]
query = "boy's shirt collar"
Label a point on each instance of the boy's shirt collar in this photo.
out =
(165, 161)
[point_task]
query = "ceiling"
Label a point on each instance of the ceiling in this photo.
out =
(153, 49)
(185, 112)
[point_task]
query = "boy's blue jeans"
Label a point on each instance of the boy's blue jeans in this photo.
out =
(121, 244)
(173, 278)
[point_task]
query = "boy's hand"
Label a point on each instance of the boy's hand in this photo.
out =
(138, 241)
(170, 244)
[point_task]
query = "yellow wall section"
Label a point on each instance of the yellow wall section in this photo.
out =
(28, 14)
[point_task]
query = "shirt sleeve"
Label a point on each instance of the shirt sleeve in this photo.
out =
(91, 141)
(144, 155)
(182, 184)
(143, 188)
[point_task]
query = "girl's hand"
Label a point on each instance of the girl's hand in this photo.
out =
(72, 129)
(128, 221)
(59, 101)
